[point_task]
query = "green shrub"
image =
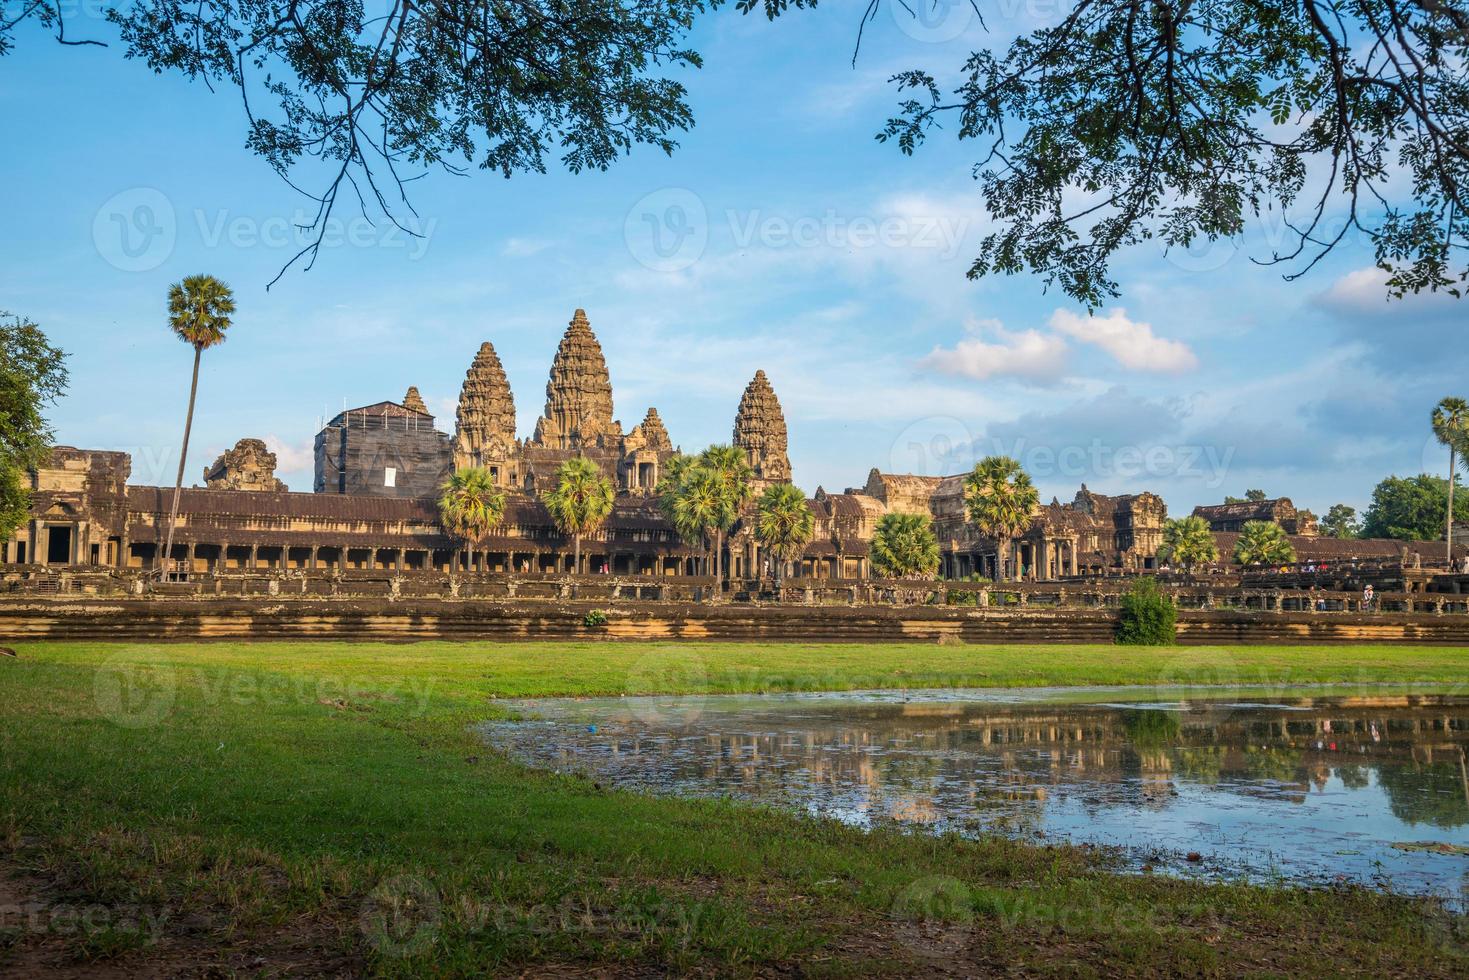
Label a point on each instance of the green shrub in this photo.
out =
(594, 618)
(1148, 615)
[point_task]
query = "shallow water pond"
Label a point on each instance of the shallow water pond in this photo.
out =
(1311, 787)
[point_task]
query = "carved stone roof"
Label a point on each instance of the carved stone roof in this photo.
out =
(484, 430)
(1247, 510)
(249, 466)
(760, 430)
(578, 393)
(413, 401)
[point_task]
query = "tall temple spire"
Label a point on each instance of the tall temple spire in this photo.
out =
(413, 401)
(484, 433)
(760, 430)
(578, 394)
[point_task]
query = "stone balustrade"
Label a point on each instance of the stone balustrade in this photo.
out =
(1094, 594)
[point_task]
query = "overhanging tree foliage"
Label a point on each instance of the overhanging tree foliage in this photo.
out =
(1175, 120)
(1181, 119)
(381, 92)
(32, 376)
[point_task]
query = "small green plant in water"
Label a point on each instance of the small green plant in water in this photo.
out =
(1149, 617)
(594, 618)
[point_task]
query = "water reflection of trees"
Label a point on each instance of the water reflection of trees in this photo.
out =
(1433, 794)
(931, 761)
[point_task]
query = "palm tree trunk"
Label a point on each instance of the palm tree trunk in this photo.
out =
(178, 483)
(718, 547)
(576, 554)
(1449, 529)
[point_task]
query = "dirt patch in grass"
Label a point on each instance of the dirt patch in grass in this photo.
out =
(46, 931)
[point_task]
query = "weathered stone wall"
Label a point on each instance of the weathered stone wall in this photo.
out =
(382, 619)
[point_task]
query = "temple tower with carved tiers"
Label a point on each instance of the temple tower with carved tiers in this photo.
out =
(760, 430)
(484, 432)
(578, 394)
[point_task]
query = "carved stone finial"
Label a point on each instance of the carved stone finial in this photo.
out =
(650, 434)
(413, 401)
(578, 393)
(484, 430)
(249, 466)
(760, 430)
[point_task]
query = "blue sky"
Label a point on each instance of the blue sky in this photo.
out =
(779, 236)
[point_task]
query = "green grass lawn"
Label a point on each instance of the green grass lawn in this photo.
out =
(318, 807)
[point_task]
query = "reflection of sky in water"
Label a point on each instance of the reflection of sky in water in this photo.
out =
(1311, 787)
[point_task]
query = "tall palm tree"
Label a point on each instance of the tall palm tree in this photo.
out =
(579, 502)
(904, 546)
(697, 505)
(1189, 542)
(732, 472)
(1000, 500)
(470, 505)
(1263, 543)
(1451, 426)
(199, 310)
(672, 480)
(784, 524)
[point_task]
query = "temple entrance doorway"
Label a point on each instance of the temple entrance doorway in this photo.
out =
(58, 545)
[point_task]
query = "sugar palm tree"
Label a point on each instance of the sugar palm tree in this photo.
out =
(1188, 542)
(470, 505)
(1263, 543)
(732, 474)
(579, 502)
(697, 505)
(199, 310)
(1451, 426)
(784, 524)
(1000, 500)
(904, 546)
(672, 480)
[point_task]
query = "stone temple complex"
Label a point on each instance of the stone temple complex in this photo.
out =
(378, 468)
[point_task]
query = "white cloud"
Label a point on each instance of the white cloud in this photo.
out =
(1132, 343)
(521, 247)
(295, 462)
(1022, 354)
(1363, 294)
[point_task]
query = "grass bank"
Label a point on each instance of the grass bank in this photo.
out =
(318, 807)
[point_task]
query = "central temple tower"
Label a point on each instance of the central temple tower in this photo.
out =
(578, 411)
